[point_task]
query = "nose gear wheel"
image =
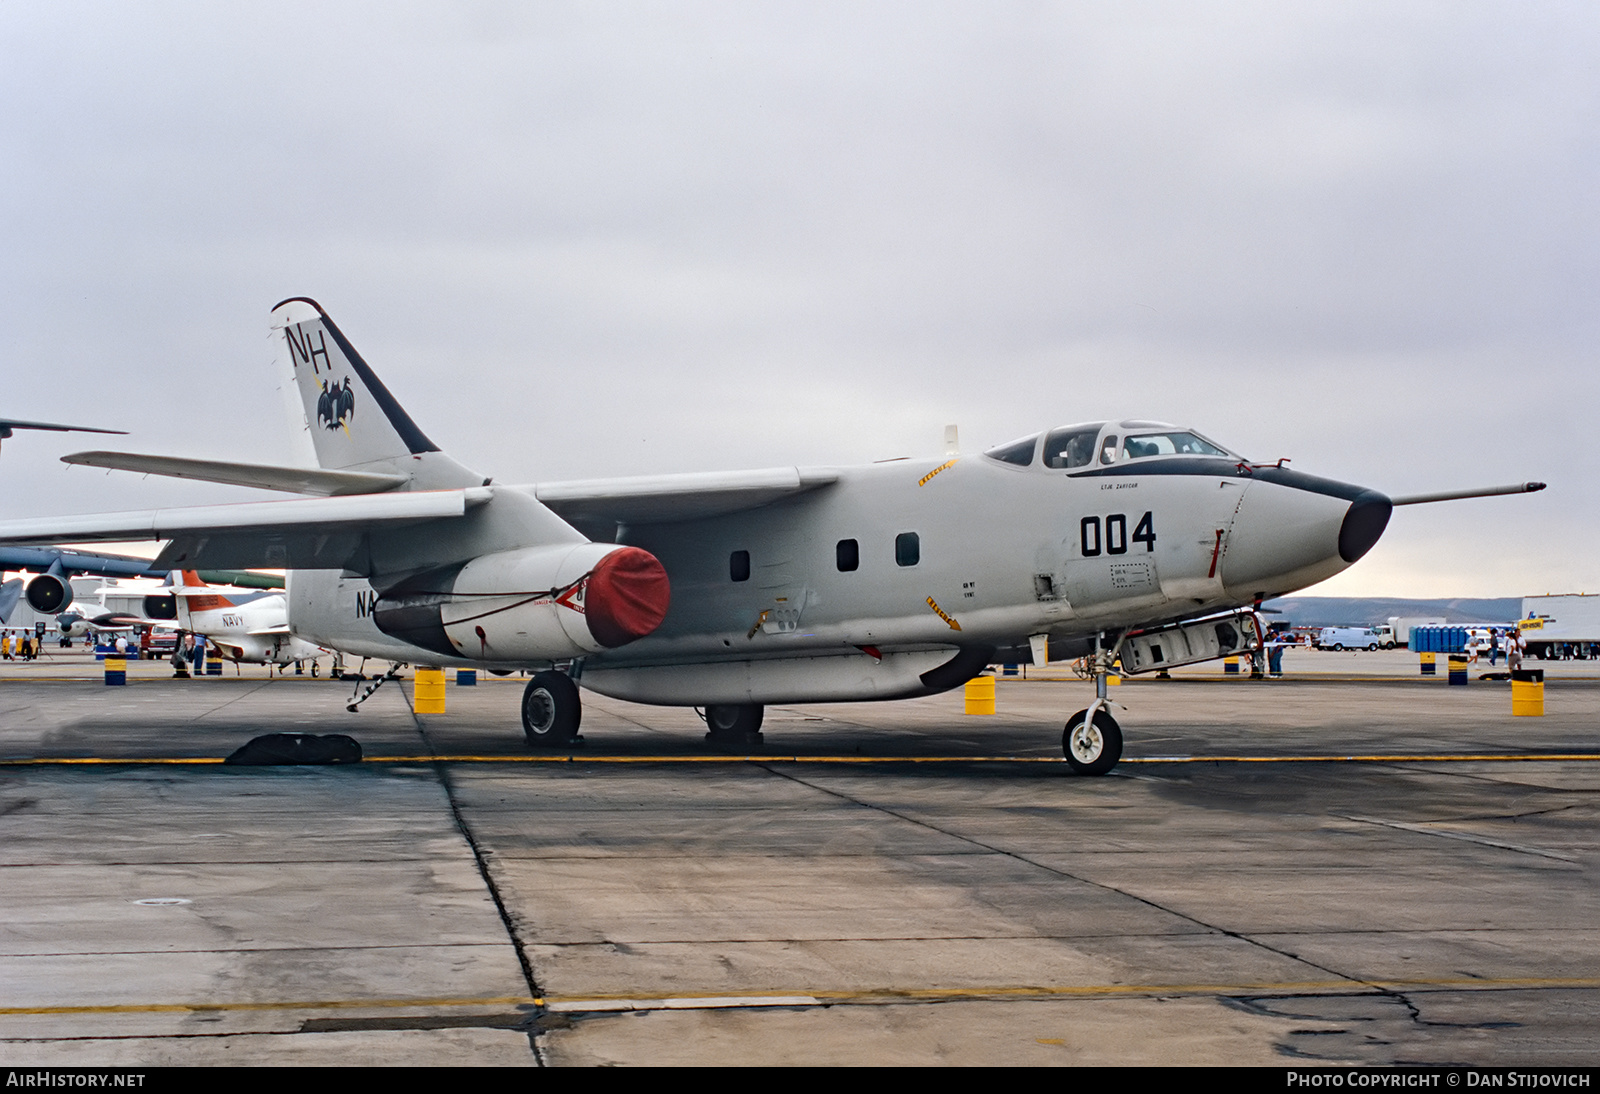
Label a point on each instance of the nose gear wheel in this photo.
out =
(1092, 747)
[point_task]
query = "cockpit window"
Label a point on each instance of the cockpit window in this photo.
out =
(1070, 447)
(1168, 444)
(1017, 452)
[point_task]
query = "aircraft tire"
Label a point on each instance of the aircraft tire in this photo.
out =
(551, 710)
(1092, 749)
(733, 721)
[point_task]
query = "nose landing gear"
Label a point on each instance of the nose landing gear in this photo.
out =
(1092, 741)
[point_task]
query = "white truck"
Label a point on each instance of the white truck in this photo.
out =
(1397, 631)
(1348, 638)
(1557, 627)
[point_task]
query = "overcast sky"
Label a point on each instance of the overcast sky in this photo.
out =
(593, 239)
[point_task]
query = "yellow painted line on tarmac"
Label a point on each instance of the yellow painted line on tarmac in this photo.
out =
(69, 761)
(298, 1004)
(682, 1000)
(815, 997)
(1487, 757)
(575, 758)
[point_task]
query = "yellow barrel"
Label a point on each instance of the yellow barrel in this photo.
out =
(1230, 665)
(117, 672)
(1527, 693)
(980, 695)
(1429, 667)
(1113, 678)
(428, 691)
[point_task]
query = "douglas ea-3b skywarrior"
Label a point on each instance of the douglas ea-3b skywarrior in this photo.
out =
(1129, 541)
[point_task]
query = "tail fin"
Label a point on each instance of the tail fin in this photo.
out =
(353, 420)
(188, 594)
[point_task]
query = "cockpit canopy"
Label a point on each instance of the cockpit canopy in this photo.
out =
(1105, 443)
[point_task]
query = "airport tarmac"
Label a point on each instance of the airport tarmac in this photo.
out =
(881, 883)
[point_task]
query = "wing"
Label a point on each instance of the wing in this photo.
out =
(596, 506)
(41, 560)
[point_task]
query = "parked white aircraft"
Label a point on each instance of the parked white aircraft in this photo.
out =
(247, 625)
(1134, 540)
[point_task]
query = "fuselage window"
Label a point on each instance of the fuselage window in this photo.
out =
(847, 555)
(739, 565)
(1068, 448)
(1108, 449)
(1017, 452)
(1169, 444)
(907, 549)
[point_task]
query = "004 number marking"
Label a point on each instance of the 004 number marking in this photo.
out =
(1114, 539)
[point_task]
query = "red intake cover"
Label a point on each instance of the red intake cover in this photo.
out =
(627, 597)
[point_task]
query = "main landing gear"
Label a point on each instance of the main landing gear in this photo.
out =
(551, 709)
(1092, 740)
(734, 725)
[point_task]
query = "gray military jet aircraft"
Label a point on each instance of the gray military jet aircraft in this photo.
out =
(1131, 540)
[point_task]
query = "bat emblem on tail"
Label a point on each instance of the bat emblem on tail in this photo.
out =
(336, 406)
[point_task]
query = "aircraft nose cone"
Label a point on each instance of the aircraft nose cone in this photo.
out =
(1364, 522)
(627, 596)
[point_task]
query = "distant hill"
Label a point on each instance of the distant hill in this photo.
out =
(1363, 611)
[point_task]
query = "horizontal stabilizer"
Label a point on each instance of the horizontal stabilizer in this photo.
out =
(8, 424)
(1482, 492)
(597, 505)
(294, 480)
(302, 533)
(281, 628)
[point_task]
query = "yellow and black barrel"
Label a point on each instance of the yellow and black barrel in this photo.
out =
(1230, 665)
(980, 695)
(1458, 669)
(1527, 693)
(116, 671)
(429, 691)
(1429, 668)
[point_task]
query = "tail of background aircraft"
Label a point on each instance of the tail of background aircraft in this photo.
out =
(355, 423)
(192, 592)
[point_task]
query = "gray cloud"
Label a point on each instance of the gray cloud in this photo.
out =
(608, 239)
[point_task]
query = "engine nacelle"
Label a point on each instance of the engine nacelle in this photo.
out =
(49, 593)
(534, 604)
(161, 607)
